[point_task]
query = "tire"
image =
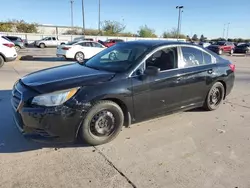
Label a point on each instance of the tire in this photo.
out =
(1, 61)
(220, 52)
(18, 48)
(210, 100)
(89, 132)
(62, 43)
(79, 57)
(42, 45)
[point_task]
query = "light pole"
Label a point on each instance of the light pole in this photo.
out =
(224, 27)
(227, 29)
(83, 19)
(179, 19)
(72, 15)
(99, 17)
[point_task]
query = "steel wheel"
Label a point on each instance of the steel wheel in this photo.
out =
(215, 96)
(79, 57)
(102, 124)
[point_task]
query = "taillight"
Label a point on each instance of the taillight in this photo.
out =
(9, 45)
(65, 48)
(232, 67)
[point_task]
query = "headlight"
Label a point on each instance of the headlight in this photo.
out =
(55, 98)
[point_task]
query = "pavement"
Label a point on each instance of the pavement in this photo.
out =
(194, 149)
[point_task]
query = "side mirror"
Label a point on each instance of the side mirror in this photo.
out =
(151, 71)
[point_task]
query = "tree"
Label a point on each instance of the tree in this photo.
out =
(195, 38)
(145, 31)
(202, 38)
(6, 27)
(112, 27)
(18, 26)
(173, 33)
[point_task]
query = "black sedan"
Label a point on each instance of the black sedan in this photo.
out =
(126, 83)
(242, 48)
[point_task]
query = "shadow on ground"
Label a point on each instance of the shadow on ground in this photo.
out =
(11, 140)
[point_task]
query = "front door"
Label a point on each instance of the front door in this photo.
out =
(156, 94)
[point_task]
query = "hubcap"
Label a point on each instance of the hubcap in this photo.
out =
(102, 124)
(79, 57)
(215, 97)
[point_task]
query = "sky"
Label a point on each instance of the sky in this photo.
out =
(206, 17)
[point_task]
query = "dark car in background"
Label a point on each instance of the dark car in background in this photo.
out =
(221, 47)
(242, 48)
(19, 43)
(126, 83)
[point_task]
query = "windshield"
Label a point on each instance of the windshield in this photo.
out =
(117, 58)
(220, 43)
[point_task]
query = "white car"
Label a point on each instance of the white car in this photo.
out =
(79, 50)
(7, 51)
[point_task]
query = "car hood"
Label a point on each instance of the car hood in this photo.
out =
(65, 77)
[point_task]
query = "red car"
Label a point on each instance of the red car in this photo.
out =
(222, 47)
(110, 42)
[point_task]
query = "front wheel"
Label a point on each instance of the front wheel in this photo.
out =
(102, 123)
(18, 48)
(220, 51)
(214, 97)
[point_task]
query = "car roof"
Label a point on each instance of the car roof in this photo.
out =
(156, 43)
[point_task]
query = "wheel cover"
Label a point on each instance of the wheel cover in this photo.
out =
(102, 124)
(79, 57)
(215, 97)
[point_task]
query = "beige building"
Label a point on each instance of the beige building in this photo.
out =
(55, 30)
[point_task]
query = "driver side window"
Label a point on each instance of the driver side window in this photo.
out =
(164, 59)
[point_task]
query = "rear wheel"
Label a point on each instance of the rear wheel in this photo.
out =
(102, 123)
(1, 61)
(42, 45)
(214, 97)
(79, 57)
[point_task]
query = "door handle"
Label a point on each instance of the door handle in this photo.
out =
(210, 71)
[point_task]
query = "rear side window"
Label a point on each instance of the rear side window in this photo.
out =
(85, 44)
(53, 38)
(207, 58)
(94, 44)
(191, 57)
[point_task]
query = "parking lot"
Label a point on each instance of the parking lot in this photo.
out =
(189, 149)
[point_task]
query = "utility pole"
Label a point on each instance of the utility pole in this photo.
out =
(83, 19)
(180, 22)
(224, 28)
(72, 14)
(179, 19)
(227, 29)
(99, 18)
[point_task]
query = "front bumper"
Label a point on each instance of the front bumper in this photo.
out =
(8, 59)
(59, 124)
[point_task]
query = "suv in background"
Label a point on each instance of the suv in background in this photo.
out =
(7, 51)
(19, 43)
(222, 47)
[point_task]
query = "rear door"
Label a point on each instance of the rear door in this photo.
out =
(196, 68)
(87, 49)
